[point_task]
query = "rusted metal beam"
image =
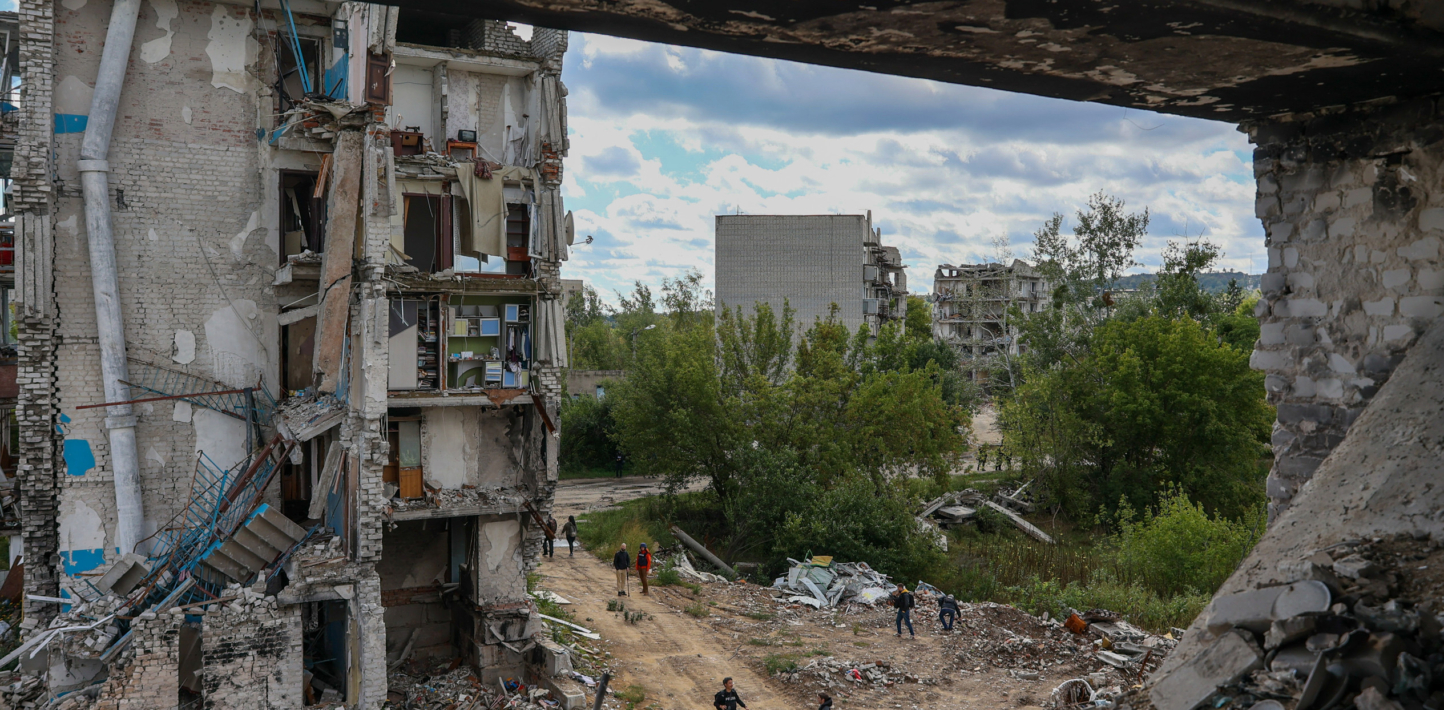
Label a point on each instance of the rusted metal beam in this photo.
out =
(158, 399)
(541, 406)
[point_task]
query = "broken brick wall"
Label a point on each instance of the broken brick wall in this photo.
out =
(251, 654)
(1352, 204)
(148, 675)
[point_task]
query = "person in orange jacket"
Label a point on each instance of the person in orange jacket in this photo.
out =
(644, 565)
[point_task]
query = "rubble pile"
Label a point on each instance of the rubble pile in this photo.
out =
(321, 120)
(822, 583)
(458, 498)
(961, 508)
(455, 687)
(835, 673)
(1359, 627)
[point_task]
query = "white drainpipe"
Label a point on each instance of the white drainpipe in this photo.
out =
(110, 324)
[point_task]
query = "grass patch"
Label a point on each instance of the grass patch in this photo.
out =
(780, 663)
(759, 642)
(819, 651)
(861, 644)
(633, 696)
(604, 531)
(697, 610)
(616, 605)
(669, 577)
(759, 615)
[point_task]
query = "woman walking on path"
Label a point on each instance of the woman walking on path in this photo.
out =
(570, 530)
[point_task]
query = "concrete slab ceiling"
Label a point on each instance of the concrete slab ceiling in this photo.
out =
(1231, 60)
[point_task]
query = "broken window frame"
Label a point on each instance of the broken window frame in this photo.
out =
(444, 237)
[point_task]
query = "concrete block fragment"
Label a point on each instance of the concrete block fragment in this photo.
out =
(1225, 661)
(1286, 631)
(1355, 567)
(1372, 699)
(1381, 307)
(1307, 307)
(1296, 658)
(1269, 360)
(1256, 610)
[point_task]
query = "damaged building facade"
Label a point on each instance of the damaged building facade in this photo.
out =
(973, 306)
(810, 263)
(290, 347)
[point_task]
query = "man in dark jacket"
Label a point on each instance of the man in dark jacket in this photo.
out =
(726, 698)
(903, 601)
(947, 611)
(621, 562)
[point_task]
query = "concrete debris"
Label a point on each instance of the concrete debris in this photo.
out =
(1372, 642)
(961, 508)
(829, 583)
(459, 688)
(684, 567)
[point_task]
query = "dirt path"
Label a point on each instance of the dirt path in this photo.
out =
(680, 660)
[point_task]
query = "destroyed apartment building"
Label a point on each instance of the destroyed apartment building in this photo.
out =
(290, 346)
(972, 310)
(810, 263)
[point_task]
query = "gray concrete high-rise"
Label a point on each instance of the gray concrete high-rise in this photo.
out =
(810, 262)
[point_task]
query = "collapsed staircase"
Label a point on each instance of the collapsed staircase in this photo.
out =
(260, 541)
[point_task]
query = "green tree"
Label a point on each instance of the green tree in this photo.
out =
(919, 318)
(1154, 402)
(588, 433)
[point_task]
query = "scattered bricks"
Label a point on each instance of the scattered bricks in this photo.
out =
(1228, 659)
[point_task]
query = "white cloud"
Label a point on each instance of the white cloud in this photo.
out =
(665, 138)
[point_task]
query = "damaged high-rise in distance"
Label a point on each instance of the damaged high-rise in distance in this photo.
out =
(973, 308)
(290, 343)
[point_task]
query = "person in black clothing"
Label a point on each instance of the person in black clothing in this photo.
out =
(621, 562)
(947, 611)
(726, 698)
(826, 701)
(903, 601)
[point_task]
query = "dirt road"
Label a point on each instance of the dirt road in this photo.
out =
(680, 660)
(579, 495)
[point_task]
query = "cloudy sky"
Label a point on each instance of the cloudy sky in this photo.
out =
(664, 138)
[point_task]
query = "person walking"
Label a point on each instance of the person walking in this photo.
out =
(947, 611)
(621, 562)
(570, 530)
(825, 699)
(549, 543)
(644, 565)
(904, 601)
(726, 698)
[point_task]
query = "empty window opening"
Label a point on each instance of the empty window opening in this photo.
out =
(303, 214)
(296, 77)
(427, 235)
(326, 631)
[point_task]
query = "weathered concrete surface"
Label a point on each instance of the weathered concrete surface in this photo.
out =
(1387, 476)
(1221, 59)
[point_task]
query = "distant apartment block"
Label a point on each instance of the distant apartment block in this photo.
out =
(972, 307)
(810, 262)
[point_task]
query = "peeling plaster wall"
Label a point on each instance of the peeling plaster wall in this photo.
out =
(501, 574)
(469, 446)
(1354, 211)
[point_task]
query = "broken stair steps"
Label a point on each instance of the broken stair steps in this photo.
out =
(265, 537)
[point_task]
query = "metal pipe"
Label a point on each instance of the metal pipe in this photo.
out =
(704, 552)
(105, 280)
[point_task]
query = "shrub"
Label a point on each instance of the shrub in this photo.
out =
(669, 577)
(990, 521)
(1179, 548)
(698, 610)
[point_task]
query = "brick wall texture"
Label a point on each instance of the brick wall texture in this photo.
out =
(1354, 212)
